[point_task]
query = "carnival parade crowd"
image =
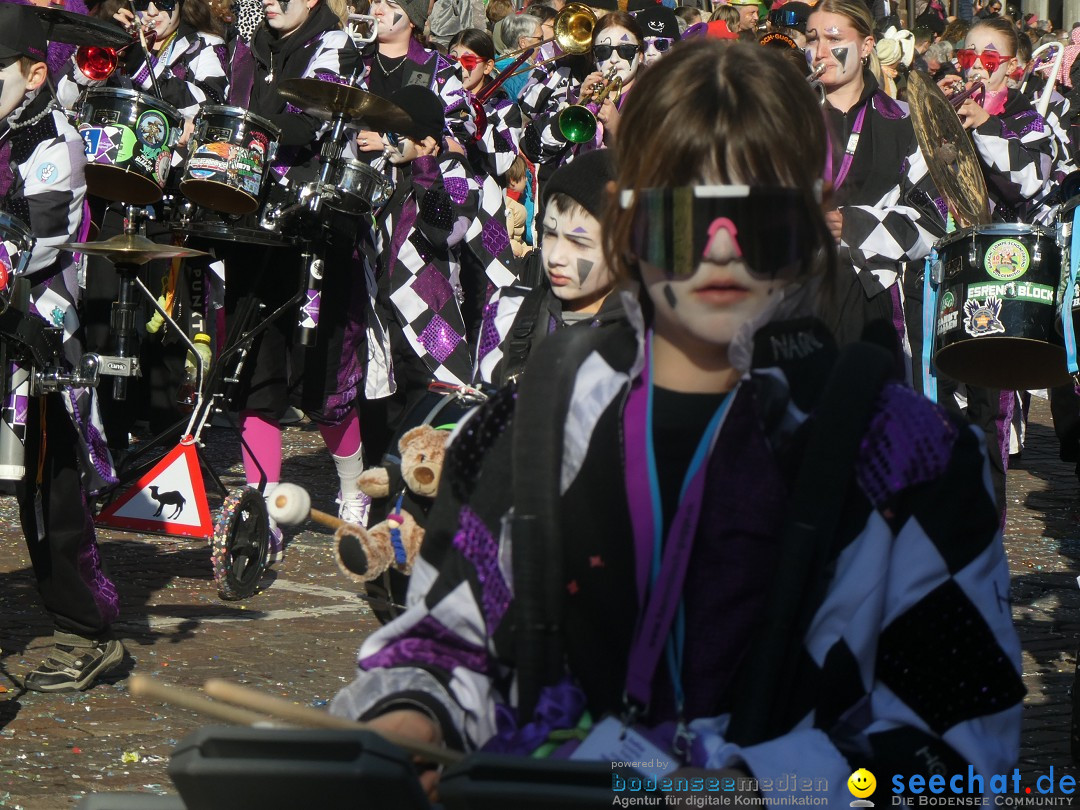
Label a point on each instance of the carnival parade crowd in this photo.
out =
(686, 274)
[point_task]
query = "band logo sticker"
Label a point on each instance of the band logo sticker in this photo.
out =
(949, 317)
(1024, 291)
(1007, 260)
(983, 319)
(152, 130)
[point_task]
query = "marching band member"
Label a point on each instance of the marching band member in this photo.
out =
(884, 211)
(42, 184)
(298, 39)
(661, 29)
(618, 46)
(187, 57)
(401, 60)
(655, 425)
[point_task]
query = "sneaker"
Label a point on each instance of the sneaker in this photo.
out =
(74, 663)
(277, 544)
(354, 509)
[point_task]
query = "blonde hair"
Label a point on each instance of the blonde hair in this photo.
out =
(340, 9)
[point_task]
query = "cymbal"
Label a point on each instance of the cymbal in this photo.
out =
(130, 249)
(327, 99)
(79, 29)
(948, 151)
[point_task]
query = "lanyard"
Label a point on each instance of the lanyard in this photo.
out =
(852, 145)
(661, 567)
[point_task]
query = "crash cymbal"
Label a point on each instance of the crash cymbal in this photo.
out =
(948, 151)
(130, 249)
(327, 99)
(79, 29)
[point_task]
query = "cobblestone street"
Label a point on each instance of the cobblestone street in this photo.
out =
(297, 638)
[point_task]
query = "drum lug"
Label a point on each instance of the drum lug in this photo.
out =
(1036, 254)
(973, 255)
(937, 272)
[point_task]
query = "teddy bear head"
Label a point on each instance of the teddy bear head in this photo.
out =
(422, 451)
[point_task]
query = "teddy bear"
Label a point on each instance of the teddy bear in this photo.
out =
(364, 554)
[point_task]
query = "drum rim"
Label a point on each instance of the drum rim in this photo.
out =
(123, 92)
(16, 224)
(1003, 229)
(240, 112)
(1069, 204)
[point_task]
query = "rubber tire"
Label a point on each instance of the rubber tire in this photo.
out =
(241, 544)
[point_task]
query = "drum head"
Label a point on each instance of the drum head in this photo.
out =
(1006, 363)
(117, 184)
(219, 197)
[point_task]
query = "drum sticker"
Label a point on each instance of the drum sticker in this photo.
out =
(108, 145)
(949, 317)
(210, 159)
(309, 318)
(152, 129)
(1007, 260)
(7, 267)
(983, 319)
(1013, 291)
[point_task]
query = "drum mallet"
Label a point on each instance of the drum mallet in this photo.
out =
(290, 505)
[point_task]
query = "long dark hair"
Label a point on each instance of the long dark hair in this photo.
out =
(198, 15)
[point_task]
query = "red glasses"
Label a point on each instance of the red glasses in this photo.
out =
(469, 61)
(991, 60)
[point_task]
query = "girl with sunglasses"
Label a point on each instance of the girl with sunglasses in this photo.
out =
(678, 445)
(1016, 150)
(187, 57)
(618, 54)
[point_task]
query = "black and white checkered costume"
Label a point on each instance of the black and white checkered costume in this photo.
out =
(910, 656)
(190, 71)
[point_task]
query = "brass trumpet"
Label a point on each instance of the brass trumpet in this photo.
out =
(577, 123)
(814, 80)
(956, 99)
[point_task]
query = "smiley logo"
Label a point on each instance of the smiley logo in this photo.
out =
(861, 783)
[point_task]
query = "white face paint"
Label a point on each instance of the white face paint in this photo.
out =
(471, 78)
(652, 52)
(285, 16)
(12, 89)
(985, 40)
(394, 23)
(712, 304)
(625, 68)
(833, 40)
(163, 22)
(573, 259)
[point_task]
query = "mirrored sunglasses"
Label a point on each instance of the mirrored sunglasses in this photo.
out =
(673, 227)
(991, 60)
(661, 44)
(469, 61)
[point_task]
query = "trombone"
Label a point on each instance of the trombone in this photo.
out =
(573, 34)
(577, 123)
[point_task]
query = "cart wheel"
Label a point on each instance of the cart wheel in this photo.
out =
(241, 544)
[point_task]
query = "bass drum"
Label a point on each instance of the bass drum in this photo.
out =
(231, 153)
(996, 313)
(129, 140)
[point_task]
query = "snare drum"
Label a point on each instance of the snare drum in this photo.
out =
(129, 138)
(996, 314)
(231, 152)
(358, 188)
(16, 246)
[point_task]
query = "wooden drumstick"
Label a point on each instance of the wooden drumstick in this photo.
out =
(147, 687)
(302, 715)
(290, 505)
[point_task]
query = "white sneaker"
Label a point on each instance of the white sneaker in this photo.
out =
(277, 544)
(355, 509)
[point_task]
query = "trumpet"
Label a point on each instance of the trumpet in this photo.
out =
(573, 34)
(814, 80)
(959, 98)
(99, 63)
(577, 123)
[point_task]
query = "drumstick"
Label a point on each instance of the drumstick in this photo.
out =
(302, 715)
(147, 687)
(290, 505)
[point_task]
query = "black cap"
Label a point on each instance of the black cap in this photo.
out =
(21, 34)
(658, 21)
(584, 180)
(424, 108)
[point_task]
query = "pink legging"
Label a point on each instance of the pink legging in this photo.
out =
(263, 436)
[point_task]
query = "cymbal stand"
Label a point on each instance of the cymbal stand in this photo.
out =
(125, 363)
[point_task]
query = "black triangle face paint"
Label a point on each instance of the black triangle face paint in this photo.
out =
(669, 296)
(841, 55)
